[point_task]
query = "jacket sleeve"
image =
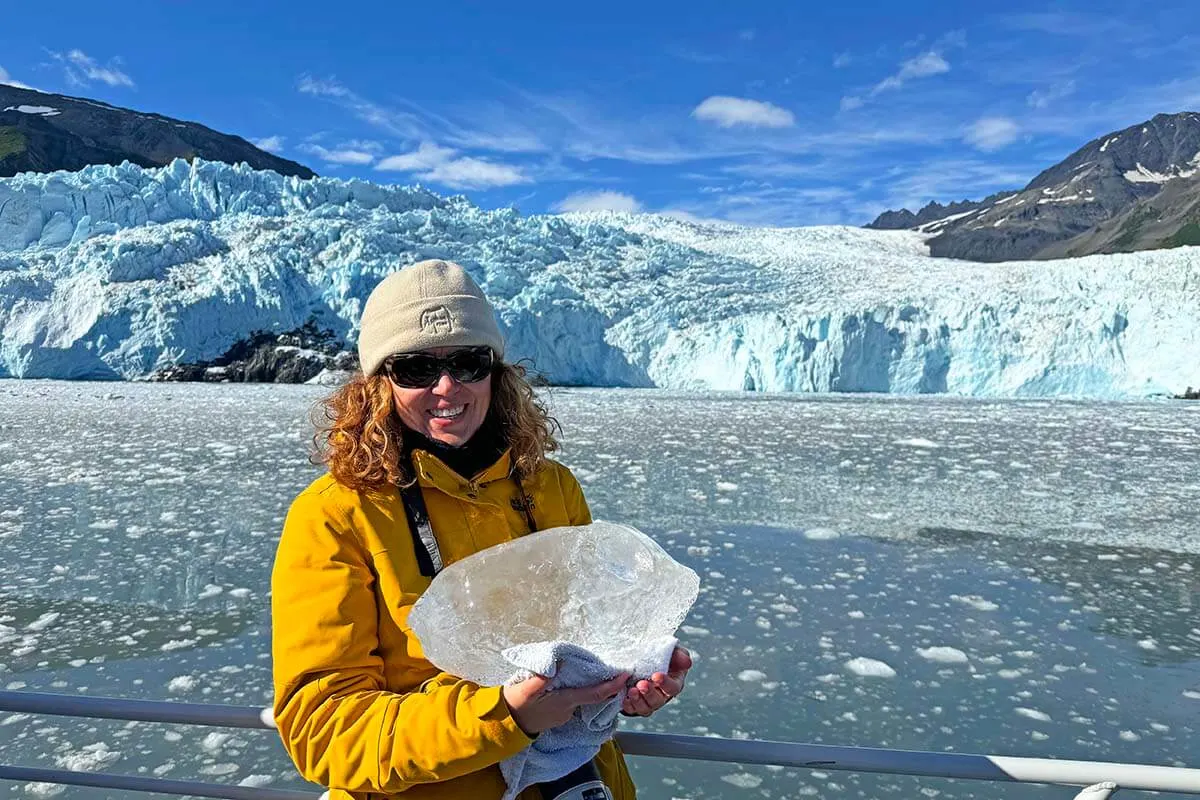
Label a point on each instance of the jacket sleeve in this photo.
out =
(338, 724)
(578, 512)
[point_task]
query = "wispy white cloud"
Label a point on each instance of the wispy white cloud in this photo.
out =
(1042, 98)
(475, 173)
(82, 70)
(922, 66)
(436, 164)
(954, 38)
(340, 155)
(728, 112)
(273, 144)
(599, 201)
(1069, 23)
(776, 206)
(747, 35)
(850, 102)
(395, 122)
(427, 156)
(914, 185)
(690, 54)
(9, 80)
(991, 133)
(842, 60)
(412, 123)
(327, 87)
(365, 145)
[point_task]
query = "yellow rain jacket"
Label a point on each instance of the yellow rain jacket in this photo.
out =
(359, 709)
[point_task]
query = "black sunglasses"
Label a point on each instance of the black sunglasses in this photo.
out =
(422, 370)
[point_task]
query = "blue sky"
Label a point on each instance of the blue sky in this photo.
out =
(766, 114)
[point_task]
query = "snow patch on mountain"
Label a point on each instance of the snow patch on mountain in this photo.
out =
(116, 272)
(41, 111)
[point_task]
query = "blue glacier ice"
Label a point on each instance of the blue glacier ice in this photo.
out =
(115, 272)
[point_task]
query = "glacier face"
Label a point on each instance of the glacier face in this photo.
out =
(114, 272)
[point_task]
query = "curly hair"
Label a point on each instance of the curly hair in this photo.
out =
(360, 439)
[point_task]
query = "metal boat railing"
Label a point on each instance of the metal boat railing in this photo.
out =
(1099, 778)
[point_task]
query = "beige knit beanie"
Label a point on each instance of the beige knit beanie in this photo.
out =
(429, 304)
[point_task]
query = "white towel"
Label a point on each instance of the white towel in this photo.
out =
(560, 750)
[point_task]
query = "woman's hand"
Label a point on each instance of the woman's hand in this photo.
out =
(537, 709)
(646, 697)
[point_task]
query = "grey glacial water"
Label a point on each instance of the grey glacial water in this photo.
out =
(1014, 577)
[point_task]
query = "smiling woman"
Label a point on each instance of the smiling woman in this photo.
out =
(437, 450)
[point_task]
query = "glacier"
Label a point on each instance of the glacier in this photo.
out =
(116, 272)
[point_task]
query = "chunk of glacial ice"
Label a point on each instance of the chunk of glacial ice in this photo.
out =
(605, 587)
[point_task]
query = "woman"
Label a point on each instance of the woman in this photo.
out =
(436, 451)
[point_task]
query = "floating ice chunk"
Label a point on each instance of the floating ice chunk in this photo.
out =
(213, 742)
(943, 655)
(922, 443)
(743, 780)
(605, 587)
(88, 758)
(820, 534)
(1130, 736)
(219, 769)
(43, 622)
(870, 668)
(1033, 713)
(974, 601)
(182, 683)
(751, 675)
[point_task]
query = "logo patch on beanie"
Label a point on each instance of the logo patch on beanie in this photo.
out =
(437, 320)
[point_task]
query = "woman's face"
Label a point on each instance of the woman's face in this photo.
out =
(450, 411)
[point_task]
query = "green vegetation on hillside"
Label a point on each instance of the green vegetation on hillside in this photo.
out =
(1131, 228)
(12, 142)
(1187, 235)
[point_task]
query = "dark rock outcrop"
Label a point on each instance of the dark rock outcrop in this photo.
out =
(297, 356)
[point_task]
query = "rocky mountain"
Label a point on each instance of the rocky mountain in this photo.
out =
(1135, 189)
(42, 132)
(932, 212)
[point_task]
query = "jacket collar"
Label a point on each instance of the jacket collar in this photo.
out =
(433, 472)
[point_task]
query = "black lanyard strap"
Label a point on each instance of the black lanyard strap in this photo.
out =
(429, 555)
